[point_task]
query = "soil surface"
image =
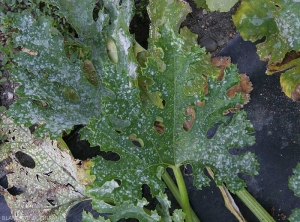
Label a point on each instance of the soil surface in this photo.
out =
(214, 29)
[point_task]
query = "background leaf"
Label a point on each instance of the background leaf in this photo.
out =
(278, 21)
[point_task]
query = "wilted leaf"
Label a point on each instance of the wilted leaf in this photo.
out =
(46, 177)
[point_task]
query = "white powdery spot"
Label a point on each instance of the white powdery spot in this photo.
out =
(289, 26)
(132, 70)
(255, 20)
(123, 40)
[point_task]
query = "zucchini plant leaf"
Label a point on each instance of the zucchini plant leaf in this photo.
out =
(148, 142)
(44, 176)
(294, 184)
(61, 76)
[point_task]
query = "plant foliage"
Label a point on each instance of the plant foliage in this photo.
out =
(149, 142)
(279, 23)
(154, 108)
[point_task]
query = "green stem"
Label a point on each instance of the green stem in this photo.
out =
(174, 190)
(185, 203)
(261, 214)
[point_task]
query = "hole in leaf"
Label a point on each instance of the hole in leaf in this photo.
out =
(14, 191)
(33, 128)
(163, 102)
(119, 182)
(190, 111)
(119, 131)
(140, 23)
(48, 174)
(152, 201)
(96, 10)
(212, 131)
(25, 160)
(110, 156)
(158, 125)
(4, 182)
(138, 142)
(50, 201)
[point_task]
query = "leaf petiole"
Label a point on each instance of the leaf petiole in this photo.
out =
(254, 206)
(180, 193)
(174, 190)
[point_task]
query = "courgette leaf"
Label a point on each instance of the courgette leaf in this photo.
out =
(149, 142)
(61, 76)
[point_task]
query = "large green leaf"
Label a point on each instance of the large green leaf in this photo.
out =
(148, 142)
(61, 86)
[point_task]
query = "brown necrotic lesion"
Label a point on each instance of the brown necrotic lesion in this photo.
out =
(158, 125)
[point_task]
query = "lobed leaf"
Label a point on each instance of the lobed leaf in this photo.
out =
(148, 142)
(61, 82)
